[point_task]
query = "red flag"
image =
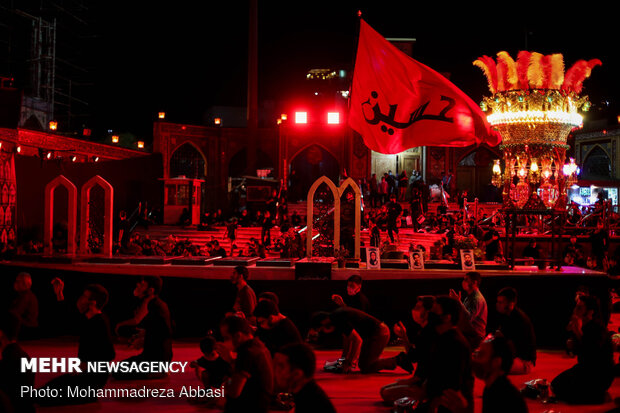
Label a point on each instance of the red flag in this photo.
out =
(398, 103)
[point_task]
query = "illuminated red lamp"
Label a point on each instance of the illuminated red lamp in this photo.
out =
(114, 138)
(140, 144)
(333, 118)
(301, 117)
(284, 117)
(86, 132)
(53, 125)
(161, 115)
(217, 121)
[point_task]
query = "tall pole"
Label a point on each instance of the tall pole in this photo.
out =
(252, 112)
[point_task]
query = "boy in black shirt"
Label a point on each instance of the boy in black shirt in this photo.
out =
(355, 297)
(294, 366)
(211, 369)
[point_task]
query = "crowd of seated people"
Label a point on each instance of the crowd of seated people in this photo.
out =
(258, 353)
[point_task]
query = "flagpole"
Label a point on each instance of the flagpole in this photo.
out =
(357, 41)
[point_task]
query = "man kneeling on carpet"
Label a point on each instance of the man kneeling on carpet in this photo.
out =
(364, 338)
(588, 380)
(448, 364)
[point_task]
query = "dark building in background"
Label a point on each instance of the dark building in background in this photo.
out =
(45, 48)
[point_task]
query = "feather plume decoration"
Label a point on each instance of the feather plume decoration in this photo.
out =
(490, 70)
(511, 77)
(501, 76)
(578, 85)
(576, 71)
(557, 71)
(535, 70)
(545, 64)
(523, 61)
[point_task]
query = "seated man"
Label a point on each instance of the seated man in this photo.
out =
(418, 346)
(474, 303)
(588, 380)
(364, 338)
(449, 361)
(251, 384)
(491, 364)
(274, 328)
(516, 326)
(294, 366)
(157, 330)
(95, 344)
(355, 297)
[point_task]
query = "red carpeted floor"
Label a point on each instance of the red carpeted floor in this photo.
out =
(349, 393)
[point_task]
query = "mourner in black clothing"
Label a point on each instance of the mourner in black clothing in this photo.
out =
(394, 213)
(364, 338)
(531, 251)
(266, 225)
(25, 305)
(355, 297)
(449, 362)
(11, 377)
(245, 300)
(95, 344)
(218, 250)
(375, 234)
(211, 369)
(516, 326)
(274, 329)
(418, 342)
(491, 364)
(589, 379)
(251, 384)
(491, 242)
(600, 240)
(294, 366)
(157, 327)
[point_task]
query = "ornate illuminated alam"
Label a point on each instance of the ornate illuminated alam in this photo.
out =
(534, 107)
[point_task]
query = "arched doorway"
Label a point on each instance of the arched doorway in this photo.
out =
(187, 161)
(48, 230)
(597, 165)
(474, 173)
(307, 166)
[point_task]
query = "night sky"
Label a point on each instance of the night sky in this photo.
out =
(188, 56)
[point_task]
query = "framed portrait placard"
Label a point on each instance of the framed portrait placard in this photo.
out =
(416, 260)
(373, 258)
(467, 260)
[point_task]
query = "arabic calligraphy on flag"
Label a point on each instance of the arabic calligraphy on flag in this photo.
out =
(398, 103)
